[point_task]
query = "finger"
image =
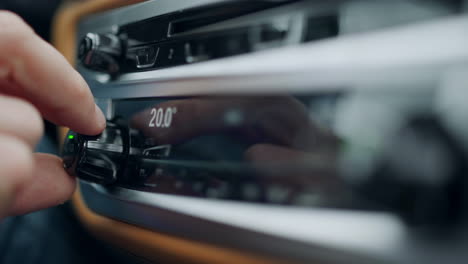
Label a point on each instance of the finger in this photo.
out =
(40, 74)
(16, 166)
(20, 119)
(51, 186)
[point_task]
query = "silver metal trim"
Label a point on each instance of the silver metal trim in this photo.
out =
(303, 234)
(399, 56)
(104, 147)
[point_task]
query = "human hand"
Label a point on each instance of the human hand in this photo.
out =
(35, 81)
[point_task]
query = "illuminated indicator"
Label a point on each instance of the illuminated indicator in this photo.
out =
(71, 137)
(162, 118)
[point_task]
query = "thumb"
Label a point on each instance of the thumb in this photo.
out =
(16, 165)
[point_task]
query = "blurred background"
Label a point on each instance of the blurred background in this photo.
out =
(37, 13)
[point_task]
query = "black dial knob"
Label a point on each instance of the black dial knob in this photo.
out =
(100, 159)
(101, 52)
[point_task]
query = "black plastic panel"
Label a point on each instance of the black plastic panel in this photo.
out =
(192, 36)
(210, 146)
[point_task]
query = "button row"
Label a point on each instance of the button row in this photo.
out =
(167, 55)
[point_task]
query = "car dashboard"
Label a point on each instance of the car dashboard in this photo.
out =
(276, 131)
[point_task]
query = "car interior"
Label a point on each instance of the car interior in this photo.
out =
(258, 131)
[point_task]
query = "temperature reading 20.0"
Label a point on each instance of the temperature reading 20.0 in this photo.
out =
(162, 117)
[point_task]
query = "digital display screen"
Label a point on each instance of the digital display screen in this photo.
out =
(275, 149)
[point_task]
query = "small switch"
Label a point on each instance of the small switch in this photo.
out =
(101, 52)
(146, 56)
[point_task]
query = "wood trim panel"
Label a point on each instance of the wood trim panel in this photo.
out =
(158, 247)
(152, 246)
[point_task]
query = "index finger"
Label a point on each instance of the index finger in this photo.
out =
(32, 69)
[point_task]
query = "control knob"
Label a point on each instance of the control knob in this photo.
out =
(101, 52)
(99, 159)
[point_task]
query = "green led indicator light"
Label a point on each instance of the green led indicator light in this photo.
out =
(71, 137)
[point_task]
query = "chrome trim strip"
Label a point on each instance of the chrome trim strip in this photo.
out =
(304, 234)
(104, 147)
(384, 49)
(300, 232)
(397, 56)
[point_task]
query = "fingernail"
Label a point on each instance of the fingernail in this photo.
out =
(101, 119)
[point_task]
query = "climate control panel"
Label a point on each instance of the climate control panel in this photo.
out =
(286, 150)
